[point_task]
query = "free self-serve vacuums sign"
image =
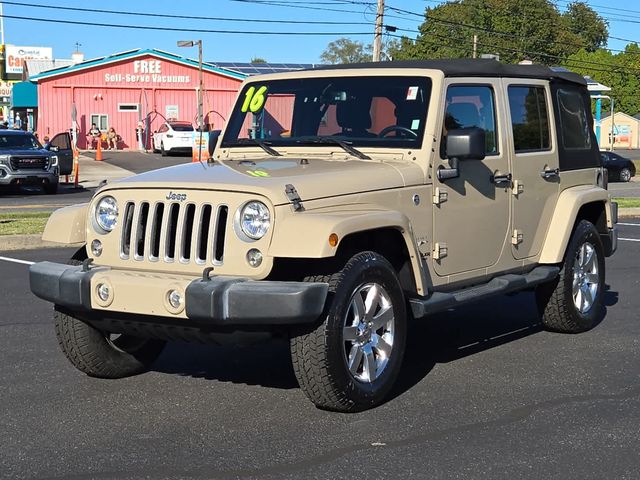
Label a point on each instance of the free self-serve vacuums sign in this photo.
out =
(15, 56)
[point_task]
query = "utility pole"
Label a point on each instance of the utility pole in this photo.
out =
(377, 39)
(475, 46)
(2, 22)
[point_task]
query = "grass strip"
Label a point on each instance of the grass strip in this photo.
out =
(23, 223)
(628, 202)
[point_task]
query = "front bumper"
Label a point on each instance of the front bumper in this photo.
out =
(25, 177)
(219, 301)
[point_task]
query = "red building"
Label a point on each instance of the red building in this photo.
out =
(131, 88)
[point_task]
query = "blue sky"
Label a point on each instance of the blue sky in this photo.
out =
(99, 41)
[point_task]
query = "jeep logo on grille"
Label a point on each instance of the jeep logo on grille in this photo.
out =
(180, 197)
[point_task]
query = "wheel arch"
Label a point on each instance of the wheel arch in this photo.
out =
(575, 204)
(388, 233)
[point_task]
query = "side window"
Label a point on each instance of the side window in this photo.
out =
(472, 106)
(61, 141)
(529, 118)
(574, 124)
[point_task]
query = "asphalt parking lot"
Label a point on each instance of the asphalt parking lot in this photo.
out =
(484, 393)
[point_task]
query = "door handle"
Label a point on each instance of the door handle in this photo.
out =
(502, 179)
(550, 173)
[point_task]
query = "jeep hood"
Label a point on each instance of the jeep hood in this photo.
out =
(312, 178)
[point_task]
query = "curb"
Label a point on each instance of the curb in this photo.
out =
(629, 212)
(26, 242)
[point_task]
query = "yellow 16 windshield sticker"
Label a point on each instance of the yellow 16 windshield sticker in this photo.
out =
(254, 99)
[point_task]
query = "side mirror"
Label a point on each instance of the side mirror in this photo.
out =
(51, 148)
(466, 144)
(463, 144)
(213, 140)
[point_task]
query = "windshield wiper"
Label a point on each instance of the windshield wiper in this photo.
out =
(346, 146)
(262, 144)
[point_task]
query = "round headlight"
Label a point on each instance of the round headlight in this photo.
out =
(107, 213)
(255, 220)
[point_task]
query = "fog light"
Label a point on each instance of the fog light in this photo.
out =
(96, 248)
(254, 257)
(174, 297)
(103, 292)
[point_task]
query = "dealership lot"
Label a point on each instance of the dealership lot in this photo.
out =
(484, 393)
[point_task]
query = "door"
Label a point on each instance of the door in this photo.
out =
(61, 145)
(471, 212)
(534, 165)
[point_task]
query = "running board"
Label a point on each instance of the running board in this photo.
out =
(439, 301)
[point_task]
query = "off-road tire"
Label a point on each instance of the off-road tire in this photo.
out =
(51, 188)
(555, 299)
(90, 350)
(317, 353)
(625, 175)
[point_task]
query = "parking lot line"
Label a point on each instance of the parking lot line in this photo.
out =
(629, 224)
(16, 260)
(630, 239)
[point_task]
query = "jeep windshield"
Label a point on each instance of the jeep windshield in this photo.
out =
(19, 141)
(363, 111)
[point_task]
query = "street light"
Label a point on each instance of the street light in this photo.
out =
(192, 43)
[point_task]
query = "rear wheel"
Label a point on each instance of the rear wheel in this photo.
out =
(351, 360)
(163, 152)
(625, 175)
(103, 354)
(573, 302)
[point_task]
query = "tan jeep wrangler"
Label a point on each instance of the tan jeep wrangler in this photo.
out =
(341, 204)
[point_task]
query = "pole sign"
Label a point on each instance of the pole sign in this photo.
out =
(15, 57)
(200, 150)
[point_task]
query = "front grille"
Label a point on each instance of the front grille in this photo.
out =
(170, 232)
(29, 163)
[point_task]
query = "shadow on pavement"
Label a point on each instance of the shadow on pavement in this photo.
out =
(441, 338)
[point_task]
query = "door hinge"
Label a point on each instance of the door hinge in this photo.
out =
(440, 195)
(517, 237)
(517, 188)
(440, 250)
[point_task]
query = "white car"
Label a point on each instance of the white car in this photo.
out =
(173, 137)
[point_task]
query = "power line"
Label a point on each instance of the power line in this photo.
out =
(176, 29)
(189, 17)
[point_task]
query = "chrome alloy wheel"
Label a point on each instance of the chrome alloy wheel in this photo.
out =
(368, 332)
(586, 280)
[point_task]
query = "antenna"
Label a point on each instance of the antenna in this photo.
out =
(78, 45)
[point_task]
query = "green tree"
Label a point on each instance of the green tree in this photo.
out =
(345, 50)
(512, 29)
(258, 60)
(620, 72)
(586, 24)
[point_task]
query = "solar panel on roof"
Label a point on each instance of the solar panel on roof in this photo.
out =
(261, 68)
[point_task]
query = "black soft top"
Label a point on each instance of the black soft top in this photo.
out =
(466, 67)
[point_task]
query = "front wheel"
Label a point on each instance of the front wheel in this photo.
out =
(102, 354)
(51, 188)
(351, 360)
(573, 302)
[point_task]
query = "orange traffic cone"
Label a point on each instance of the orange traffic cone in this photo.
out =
(99, 150)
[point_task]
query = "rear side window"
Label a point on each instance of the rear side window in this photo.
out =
(529, 118)
(574, 125)
(470, 106)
